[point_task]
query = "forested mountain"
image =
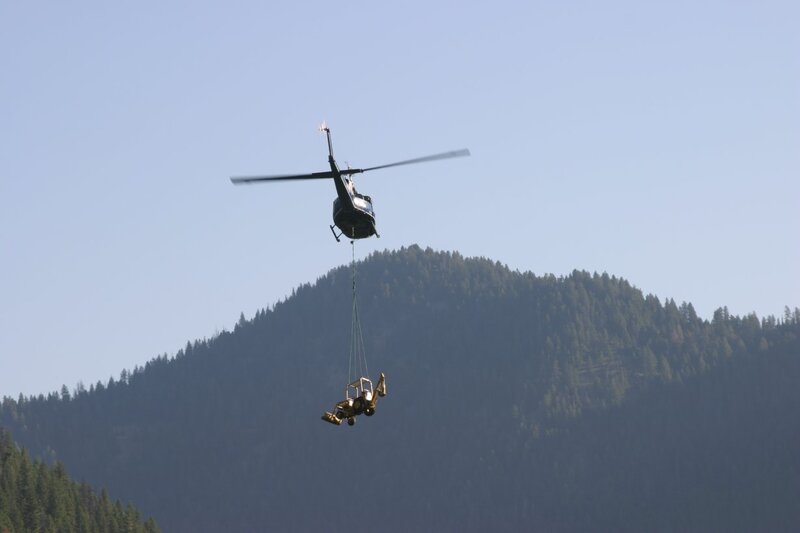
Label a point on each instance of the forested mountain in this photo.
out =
(37, 497)
(515, 402)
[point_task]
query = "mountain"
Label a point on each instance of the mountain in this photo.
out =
(515, 401)
(37, 497)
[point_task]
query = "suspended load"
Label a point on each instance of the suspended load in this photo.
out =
(359, 395)
(359, 398)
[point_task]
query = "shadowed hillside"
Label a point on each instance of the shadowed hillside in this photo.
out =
(515, 401)
(37, 497)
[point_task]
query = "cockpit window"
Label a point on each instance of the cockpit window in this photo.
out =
(362, 204)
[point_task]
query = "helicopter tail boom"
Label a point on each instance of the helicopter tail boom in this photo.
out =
(324, 128)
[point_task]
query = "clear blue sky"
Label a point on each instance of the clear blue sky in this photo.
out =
(659, 142)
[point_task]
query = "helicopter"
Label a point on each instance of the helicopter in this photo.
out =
(353, 213)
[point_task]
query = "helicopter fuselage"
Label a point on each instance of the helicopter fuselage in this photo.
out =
(355, 222)
(352, 212)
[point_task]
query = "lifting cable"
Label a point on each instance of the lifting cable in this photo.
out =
(357, 365)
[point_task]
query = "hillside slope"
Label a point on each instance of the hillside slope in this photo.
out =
(514, 401)
(36, 497)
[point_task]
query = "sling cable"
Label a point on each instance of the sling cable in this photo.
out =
(359, 396)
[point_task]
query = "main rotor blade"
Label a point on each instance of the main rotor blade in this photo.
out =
(281, 177)
(348, 171)
(435, 157)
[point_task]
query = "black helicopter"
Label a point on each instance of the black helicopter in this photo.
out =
(352, 212)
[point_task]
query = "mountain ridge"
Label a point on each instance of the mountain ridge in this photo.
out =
(484, 364)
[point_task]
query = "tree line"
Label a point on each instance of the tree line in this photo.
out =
(42, 498)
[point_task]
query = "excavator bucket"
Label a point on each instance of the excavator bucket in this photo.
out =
(332, 418)
(381, 388)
